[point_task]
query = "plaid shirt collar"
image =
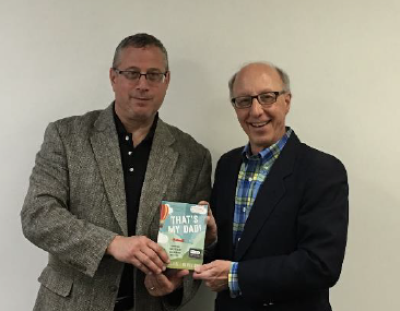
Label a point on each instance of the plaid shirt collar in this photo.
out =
(267, 153)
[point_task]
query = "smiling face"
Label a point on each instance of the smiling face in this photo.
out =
(138, 101)
(263, 125)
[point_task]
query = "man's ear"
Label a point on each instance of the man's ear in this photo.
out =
(113, 76)
(168, 78)
(288, 101)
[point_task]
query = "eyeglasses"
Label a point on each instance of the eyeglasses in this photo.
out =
(134, 76)
(265, 99)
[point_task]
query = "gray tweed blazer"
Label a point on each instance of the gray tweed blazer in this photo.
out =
(76, 205)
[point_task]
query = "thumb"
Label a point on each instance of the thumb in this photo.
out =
(181, 273)
(198, 269)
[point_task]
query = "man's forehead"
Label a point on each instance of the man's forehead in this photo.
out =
(259, 69)
(132, 56)
(148, 49)
(257, 73)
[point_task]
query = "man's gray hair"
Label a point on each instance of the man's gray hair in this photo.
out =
(282, 74)
(139, 40)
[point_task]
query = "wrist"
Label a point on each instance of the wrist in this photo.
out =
(112, 246)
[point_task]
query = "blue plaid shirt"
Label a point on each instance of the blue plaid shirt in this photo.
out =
(253, 171)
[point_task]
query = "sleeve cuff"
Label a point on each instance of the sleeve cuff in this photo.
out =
(233, 281)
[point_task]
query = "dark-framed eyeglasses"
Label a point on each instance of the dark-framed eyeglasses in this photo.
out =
(134, 76)
(265, 99)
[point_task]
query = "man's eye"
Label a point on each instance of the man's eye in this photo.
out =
(244, 101)
(267, 96)
(153, 76)
(132, 75)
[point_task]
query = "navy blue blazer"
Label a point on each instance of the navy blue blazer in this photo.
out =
(292, 248)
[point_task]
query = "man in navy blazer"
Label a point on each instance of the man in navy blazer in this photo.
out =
(281, 207)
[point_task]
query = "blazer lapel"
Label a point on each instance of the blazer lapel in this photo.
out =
(161, 164)
(230, 192)
(269, 195)
(106, 149)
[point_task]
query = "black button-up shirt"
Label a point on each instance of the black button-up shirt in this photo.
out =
(134, 164)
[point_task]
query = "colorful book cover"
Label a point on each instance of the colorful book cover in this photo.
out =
(182, 233)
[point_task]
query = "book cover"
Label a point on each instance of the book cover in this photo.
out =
(182, 233)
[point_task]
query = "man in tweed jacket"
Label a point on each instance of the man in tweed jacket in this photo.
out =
(77, 202)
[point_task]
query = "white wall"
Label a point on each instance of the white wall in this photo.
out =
(344, 61)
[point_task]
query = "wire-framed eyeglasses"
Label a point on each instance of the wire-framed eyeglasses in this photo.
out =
(134, 75)
(265, 99)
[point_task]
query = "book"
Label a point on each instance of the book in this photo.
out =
(182, 233)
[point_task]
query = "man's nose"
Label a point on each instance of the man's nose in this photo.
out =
(142, 82)
(255, 108)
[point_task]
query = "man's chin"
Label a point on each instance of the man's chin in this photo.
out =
(143, 116)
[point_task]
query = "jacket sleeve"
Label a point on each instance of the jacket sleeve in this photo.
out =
(321, 234)
(46, 219)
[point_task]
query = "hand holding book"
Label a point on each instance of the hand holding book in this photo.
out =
(165, 283)
(211, 233)
(140, 251)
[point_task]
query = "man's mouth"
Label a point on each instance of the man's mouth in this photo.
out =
(258, 124)
(141, 98)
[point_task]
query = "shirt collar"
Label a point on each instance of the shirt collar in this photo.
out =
(122, 131)
(268, 153)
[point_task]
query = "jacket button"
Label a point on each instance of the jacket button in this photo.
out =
(268, 304)
(113, 288)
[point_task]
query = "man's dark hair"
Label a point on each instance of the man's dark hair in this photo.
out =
(139, 40)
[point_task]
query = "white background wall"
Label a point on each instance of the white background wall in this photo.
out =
(344, 61)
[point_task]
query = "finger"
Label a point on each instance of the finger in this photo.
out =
(211, 223)
(209, 284)
(207, 266)
(159, 251)
(210, 218)
(160, 281)
(220, 286)
(150, 283)
(202, 276)
(148, 280)
(210, 211)
(163, 284)
(197, 276)
(147, 263)
(199, 270)
(140, 266)
(175, 273)
(180, 274)
(153, 258)
(153, 291)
